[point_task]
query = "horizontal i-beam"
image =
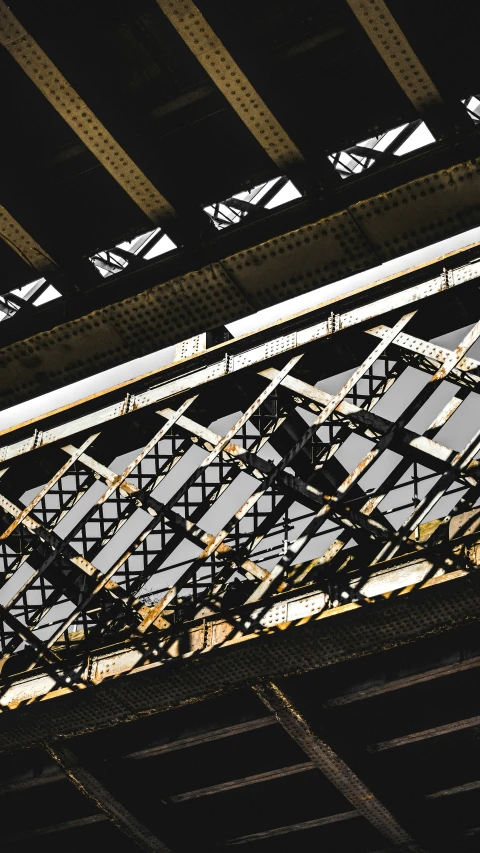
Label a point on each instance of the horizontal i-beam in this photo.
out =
(426, 734)
(53, 829)
(301, 826)
(401, 683)
(243, 782)
(73, 109)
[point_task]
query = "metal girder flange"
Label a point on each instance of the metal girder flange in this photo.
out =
(397, 53)
(73, 109)
(24, 244)
(232, 82)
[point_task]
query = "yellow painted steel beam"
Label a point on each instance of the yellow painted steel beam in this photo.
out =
(24, 244)
(232, 82)
(397, 53)
(73, 109)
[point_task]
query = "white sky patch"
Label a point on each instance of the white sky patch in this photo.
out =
(163, 245)
(149, 245)
(224, 213)
(349, 162)
(420, 137)
(288, 193)
(50, 293)
(473, 106)
(137, 367)
(27, 289)
(46, 292)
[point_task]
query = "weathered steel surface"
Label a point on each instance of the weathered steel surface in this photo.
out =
(349, 634)
(375, 299)
(260, 587)
(73, 109)
(220, 66)
(333, 767)
(24, 244)
(398, 55)
(175, 554)
(202, 132)
(147, 593)
(114, 811)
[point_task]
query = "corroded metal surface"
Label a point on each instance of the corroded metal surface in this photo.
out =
(368, 232)
(199, 531)
(395, 50)
(118, 116)
(73, 109)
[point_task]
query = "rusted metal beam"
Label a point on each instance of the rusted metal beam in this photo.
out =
(43, 491)
(220, 66)
(73, 109)
(431, 453)
(340, 817)
(189, 530)
(391, 43)
(426, 734)
(63, 547)
(23, 243)
(53, 829)
(245, 781)
(219, 447)
(253, 349)
(269, 583)
(94, 791)
(452, 792)
(202, 737)
(333, 767)
(401, 683)
(336, 636)
(466, 370)
(59, 546)
(229, 629)
(260, 468)
(460, 461)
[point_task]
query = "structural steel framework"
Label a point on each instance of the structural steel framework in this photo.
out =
(196, 522)
(271, 482)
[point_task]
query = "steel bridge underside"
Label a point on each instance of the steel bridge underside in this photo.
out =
(239, 596)
(224, 624)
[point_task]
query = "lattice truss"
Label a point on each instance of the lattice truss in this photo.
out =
(204, 519)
